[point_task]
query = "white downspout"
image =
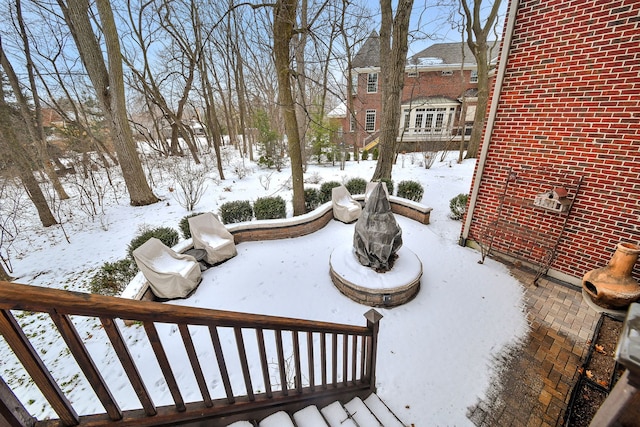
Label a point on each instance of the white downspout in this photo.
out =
(502, 66)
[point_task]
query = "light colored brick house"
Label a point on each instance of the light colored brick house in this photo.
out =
(438, 96)
(565, 113)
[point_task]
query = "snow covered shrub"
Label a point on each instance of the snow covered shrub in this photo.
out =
(190, 181)
(184, 225)
(270, 208)
(458, 206)
(411, 190)
(113, 277)
(240, 170)
(166, 235)
(313, 178)
(237, 211)
(356, 185)
(311, 199)
(429, 158)
(325, 190)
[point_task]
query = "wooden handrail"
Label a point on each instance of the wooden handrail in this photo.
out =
(358, 347)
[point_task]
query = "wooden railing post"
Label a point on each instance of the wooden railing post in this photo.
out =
(12, 413)
(373, 323)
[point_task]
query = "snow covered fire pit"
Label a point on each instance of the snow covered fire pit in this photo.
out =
(365, 286)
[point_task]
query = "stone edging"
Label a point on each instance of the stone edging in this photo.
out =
(273, 229)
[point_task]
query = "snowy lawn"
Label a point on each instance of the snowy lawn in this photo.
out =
(437, 354)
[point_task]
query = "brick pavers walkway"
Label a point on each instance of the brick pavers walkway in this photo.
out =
(536, 382)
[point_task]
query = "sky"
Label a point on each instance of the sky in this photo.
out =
(431, 21)
(437, 354)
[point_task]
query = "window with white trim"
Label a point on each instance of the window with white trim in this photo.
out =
(372, 82)
(370, 121)
(407, 119)
(352, 123)
(474, 77)
(354, 84)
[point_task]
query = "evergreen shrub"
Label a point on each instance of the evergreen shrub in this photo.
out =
(356, 185)
(166, 235)
(311, 199)
(411, 190)
(365, 155)
(113, 277)
(375, 153)
(183, 225)
(325, 190)
(458, 206)
(270, 208)
(236, 211)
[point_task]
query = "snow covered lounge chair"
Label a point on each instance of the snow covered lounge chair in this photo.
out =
(345, 208)
(210, 234)
(170, 274)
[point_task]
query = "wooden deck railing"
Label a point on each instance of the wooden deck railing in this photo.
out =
(346, 365)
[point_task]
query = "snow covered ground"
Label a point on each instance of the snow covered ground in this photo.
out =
(436, 354)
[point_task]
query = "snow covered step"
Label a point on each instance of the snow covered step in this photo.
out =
(361, 413)
(279, 419)
(336, 416)
(382, 413)
(309, 417)
(241, 424)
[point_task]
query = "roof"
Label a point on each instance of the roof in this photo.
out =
(439, 54)
(369, 53)
(450, 54)
(339, 112)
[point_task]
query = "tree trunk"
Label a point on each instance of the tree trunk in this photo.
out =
(4, 275)
(108, 82)
(283, 24)
(393, 55)
(477, 41)
(11, 148)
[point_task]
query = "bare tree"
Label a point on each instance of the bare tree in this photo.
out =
(108, 82)
(394, 31)
(284, 23)
(477, 35)
(10, 147)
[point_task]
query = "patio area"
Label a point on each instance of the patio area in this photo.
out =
(535, 386)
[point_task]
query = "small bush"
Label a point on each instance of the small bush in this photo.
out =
(375, 153)
(166, 235)
(365, 155)
(183, 225)
(411, 190)
(325, 190)
(356, 185)
(113, 277)
(458, 206)
(347, 156)
(237, 211)
(389, 184)
(311, 199)
(270, 208)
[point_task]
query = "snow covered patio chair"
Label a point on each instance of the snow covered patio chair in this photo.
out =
(345, 207)
(170, 274)
(210, 234)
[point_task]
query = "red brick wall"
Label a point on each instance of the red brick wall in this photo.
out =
(571, 103)
(428, 83)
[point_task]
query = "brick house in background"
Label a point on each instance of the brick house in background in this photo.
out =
(565, 114)
(440, 87)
